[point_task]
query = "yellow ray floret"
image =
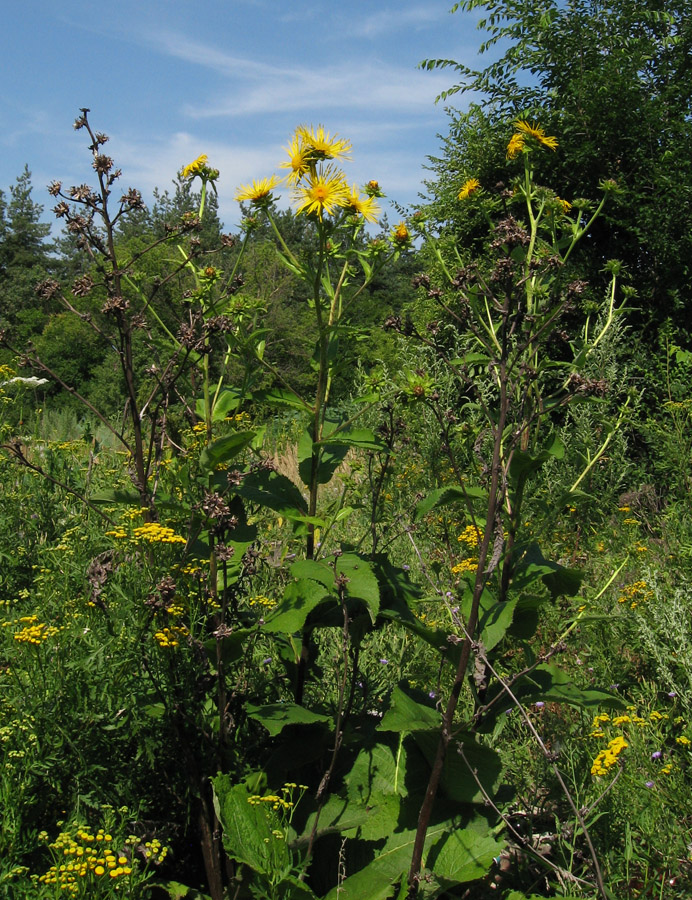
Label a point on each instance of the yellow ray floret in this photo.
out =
(321, 143)
(535, 131)
(515, 146)
(470, 186)
(360, 205)
(195, 167)
(322, 191)
(258, 192)
(301, 160)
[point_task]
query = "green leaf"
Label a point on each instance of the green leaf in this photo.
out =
(547, 682)
(463, 855)
(363, 438)
(247, 832)
(378, 879)
(361, 583)
(273, 491)
(177, 891)
(299, 600)
(281, 397)
(524, 463)
(406, 715)
(276, 716)
(451, 493)
(225, 449)
(317, 571)
(329, 458)
(558, 579)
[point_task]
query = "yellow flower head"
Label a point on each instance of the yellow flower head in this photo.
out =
(301, 160)
(373, 189)
(259, 192)
(322, 191)
(535, 131)
(195, 167)
(321, 145)
(401, 236)
(565, 204)
(515, 146)
(359, 205)
(199, 167)
(470, 186)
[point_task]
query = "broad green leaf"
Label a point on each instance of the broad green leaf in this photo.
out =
(406, 715)
(317, 571)
(276, 716)
(464, 854)
(558, 579)
(524, 463)
(247, 831)
(457, 781)
(329, 458)
(548, 682)
(451, 493)
(274, 491)
(225, 449)
(299, 600)
(378, 879)
(361, 583)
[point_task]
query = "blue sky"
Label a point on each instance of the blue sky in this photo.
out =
(170, 79)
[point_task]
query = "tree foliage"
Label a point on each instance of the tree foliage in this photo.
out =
(610, 78)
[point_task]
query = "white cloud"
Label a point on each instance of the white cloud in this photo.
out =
(386, 21)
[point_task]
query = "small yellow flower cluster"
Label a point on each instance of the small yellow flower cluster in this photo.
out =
(607, 758)
(635, 593)
(273, 800)
(168, 637)
(471, 535)
(154, 851)
(423, 617)
(194, 567)
(155, 533)
(135, 512)
(33, 631)
(261, 600)
(88, 857)
(466, 565)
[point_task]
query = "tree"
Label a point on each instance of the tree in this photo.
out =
(24, 258)
(610, 78)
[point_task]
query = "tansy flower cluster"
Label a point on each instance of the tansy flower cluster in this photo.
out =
(635, 593)
(262, 601)
(33, 631)
(151, 533)
(168, 637)
(88, 857)
(607, 758)
(319, 186)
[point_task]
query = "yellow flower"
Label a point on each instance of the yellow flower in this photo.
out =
(535, 131)
(321, 144)
(362, 206)
(195, 167)
(470, 186)
(401, 235)
(565, 204)
(259, 192)
(515, 146)
(322, 191)
(301, 160)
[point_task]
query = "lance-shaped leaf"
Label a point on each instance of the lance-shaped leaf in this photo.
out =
(225, 449)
